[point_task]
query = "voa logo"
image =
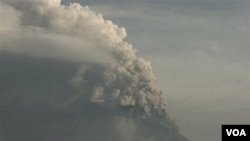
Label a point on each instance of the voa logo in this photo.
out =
(236, 132)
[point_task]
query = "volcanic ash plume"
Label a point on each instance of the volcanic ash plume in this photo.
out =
(66, 74)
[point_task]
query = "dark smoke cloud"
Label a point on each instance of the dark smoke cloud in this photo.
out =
(66, 74)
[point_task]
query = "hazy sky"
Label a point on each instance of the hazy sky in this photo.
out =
(199, 50)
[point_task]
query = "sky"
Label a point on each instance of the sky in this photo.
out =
(199, 52)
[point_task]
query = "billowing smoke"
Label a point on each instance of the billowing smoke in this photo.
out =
(66, 74)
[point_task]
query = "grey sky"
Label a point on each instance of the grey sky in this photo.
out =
(199, 50)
